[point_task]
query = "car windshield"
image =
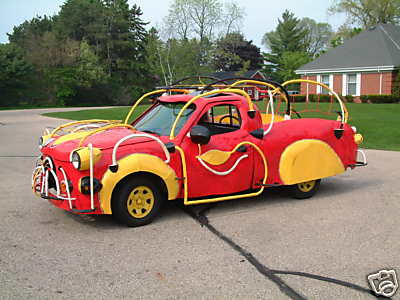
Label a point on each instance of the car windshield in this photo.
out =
(161, 117)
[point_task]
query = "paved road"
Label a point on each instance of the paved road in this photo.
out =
(268, 247)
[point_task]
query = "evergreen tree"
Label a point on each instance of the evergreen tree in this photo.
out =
(289, 36)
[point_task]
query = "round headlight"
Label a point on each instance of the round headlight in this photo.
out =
(76, 160)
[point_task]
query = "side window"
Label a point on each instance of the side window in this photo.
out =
(221, 118)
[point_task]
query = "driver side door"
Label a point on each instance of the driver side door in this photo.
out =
(219, 167)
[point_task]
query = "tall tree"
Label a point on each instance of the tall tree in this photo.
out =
(343, 33)
(291, 61)
(317, 37)
(289, 36)
(202, 20)
(31, 30)
(233, 16)
(82, 19)
(233, 52)
(178, 23)
(173, 59)
(367, 13)
(14, 74)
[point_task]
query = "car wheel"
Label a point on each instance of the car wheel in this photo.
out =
(305, 190)
(137, 202)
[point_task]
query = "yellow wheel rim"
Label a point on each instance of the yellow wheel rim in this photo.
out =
(306, 186)
(140, 201)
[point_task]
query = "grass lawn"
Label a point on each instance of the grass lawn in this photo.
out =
(378, 123)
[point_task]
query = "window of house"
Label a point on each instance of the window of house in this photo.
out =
(325, 80)
(352, 84)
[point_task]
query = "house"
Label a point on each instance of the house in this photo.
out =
(255, 92)
(366, 64)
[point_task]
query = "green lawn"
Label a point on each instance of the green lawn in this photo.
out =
(378, 123)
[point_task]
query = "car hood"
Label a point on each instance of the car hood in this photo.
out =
(61, 147)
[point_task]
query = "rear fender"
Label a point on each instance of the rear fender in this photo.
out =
(307, 160)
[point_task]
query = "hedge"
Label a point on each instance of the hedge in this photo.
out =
(348, 98)
(379, 99)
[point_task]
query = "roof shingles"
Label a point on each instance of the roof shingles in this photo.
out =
(372, 48)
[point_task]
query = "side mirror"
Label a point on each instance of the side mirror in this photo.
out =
(200, 135)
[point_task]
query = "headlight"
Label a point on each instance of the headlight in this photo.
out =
(44, 140)
(76, 160)
(358, 138)
(80, 158)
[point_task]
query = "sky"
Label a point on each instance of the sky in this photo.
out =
(261, 15)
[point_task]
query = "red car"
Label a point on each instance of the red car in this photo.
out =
(197, 146)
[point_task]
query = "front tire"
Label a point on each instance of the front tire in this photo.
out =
(137, 202)
(305, 190)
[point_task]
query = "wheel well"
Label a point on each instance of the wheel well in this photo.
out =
(158, 180)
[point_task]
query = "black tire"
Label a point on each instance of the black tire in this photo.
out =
(131, 205)
(304, 190)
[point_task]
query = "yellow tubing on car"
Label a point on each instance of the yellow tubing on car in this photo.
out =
(71, 136)
(80, 122)
(134, 163)
(307, 160)
(140, 100)
(342, 105)
(275, 89)
(235, 91)
(89, 133)
(223, 198)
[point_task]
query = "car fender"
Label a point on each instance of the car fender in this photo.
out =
(307, 160)
(134, 163)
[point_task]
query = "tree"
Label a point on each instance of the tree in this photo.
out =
(289, 36)
(82, 19)
(317, 37)
(30, 30)
(116, 35)
(202, 20)
(233, 16)
(233, 52)
(14, 72)
(291, 61)
(173, 59)
(367, 13)
(343, 33)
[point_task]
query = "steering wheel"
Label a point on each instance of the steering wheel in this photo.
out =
(231, 117)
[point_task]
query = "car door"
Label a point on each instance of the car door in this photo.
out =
(221, 166)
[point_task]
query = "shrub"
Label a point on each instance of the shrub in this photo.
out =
(298, 98)
(349, 98)
(319, 98)
(379, 99)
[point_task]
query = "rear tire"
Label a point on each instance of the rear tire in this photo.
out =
(304, 190)
(137, 202)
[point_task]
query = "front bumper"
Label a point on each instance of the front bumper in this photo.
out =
(52, 183)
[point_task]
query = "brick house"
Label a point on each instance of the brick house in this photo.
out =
(366, 64)
(254, 92)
